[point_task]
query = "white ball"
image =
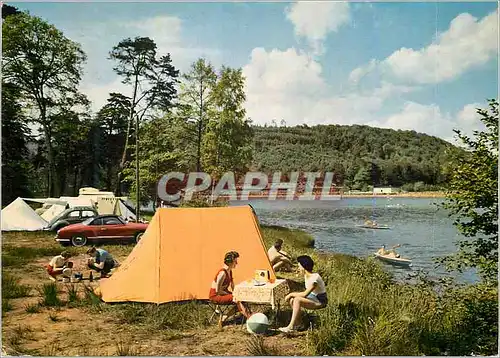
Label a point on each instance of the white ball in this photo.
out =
(257, 323)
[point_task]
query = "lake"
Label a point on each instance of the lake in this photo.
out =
(423, 230)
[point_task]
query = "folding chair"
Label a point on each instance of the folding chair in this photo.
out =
(221, 310)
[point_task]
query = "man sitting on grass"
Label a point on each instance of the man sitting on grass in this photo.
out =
(279, 259)
(59, 265)
(101, 261)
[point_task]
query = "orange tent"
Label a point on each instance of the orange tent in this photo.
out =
(181, 252)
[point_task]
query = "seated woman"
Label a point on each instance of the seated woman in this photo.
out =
(59, 265)
(219, 292)
(314, 297)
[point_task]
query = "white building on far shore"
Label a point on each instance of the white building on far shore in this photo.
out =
(385, 190)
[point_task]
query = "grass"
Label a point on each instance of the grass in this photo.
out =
(256, 346)
(18, 256)
(125, 349)
(18, 335)
(368, 313)
(6, 306)
(72, 291)
(177, 316)
(49, 295)
(52, 349)
(11, 288)
(53, 317)
(32, 308)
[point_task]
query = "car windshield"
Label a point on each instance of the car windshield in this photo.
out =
(88, 221)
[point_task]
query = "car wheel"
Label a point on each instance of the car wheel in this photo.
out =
(138, 237)
(79, 240)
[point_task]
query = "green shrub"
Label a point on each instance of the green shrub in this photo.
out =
(11, 288)
(49, 294)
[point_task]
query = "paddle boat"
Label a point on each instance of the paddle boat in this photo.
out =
(375, 227)
(400, 261)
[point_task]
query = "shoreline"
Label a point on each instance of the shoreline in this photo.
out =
(428, 194)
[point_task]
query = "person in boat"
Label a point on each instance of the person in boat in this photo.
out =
(223, 284)
(59, 265)
(280, 260)
(389, 253)
(371, 223)
(314, 297)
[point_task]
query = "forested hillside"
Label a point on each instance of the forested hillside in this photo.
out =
(359, 155)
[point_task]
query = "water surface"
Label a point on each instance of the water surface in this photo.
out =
(422, 228)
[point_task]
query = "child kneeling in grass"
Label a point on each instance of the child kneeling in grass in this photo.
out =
(59, 265)
(314, 297)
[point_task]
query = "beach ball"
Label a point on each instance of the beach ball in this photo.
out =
(257, 323)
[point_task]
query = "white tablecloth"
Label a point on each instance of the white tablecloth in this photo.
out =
(271, 293)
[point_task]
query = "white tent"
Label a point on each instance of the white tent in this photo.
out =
(19, 216)
(125, 212)
(78, 200)
(53, 211)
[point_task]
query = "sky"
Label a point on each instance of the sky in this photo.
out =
(402, 65)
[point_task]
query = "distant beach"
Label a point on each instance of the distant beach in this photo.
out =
(423, 194)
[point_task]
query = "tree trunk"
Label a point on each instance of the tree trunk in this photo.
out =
(75, 190)
(200, 129)
(50, 159)
(137, 192)
(118, 190)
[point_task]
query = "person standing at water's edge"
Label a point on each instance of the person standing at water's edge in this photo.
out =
(313, 298)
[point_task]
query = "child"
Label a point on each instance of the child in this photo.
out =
(314, 297)
(59, 265)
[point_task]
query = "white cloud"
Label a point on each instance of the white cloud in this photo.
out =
(289, 85)
(468, 43)
(357, 74)
(167, 33)
(431, 120)
(313, 20)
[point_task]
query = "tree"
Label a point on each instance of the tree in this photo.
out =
(153, 82)
(473, 198)
(15, 167)
(114, 127)
(8, 10)
(46, 67)
(362, 178)
(196, 95)
(71, 135)
(228, 142)
(162, 150)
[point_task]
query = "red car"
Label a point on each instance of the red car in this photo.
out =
(100, 228)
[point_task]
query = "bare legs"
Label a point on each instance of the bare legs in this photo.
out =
(282, 263)
(243, 309)
(297, 303)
